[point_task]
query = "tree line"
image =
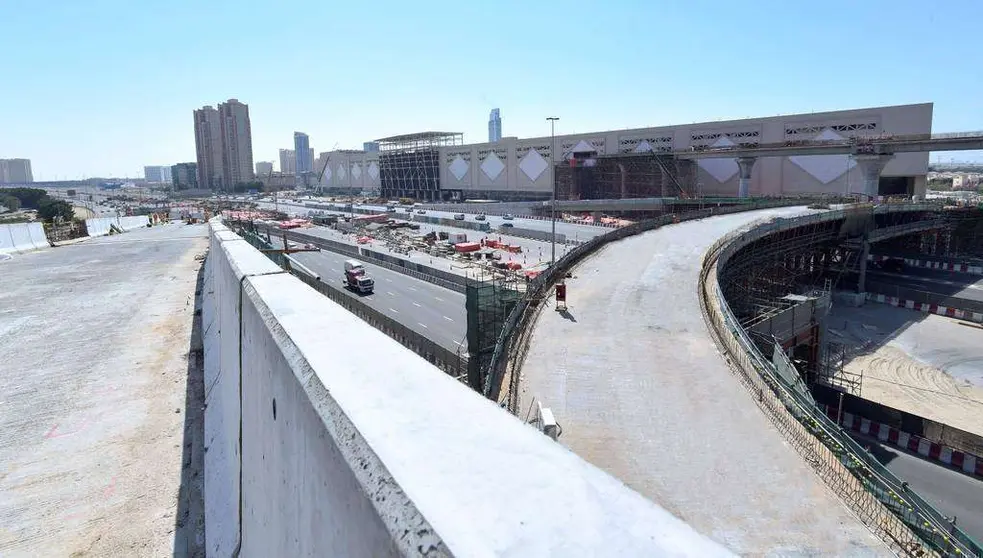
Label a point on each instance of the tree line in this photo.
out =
(48, 208)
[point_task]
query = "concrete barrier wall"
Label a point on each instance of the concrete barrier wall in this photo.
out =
(350, 445)
(17, 238)
(134, 222)
(99, 226)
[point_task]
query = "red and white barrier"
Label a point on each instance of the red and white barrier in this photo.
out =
(942, 266)
(965, 462)
(925, 307)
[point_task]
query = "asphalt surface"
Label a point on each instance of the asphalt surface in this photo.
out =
(634, 379)
(95, 338)
(571, 230)
(948, 283)
(434, 312)
(949, 491)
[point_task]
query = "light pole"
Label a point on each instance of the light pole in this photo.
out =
(552, 121)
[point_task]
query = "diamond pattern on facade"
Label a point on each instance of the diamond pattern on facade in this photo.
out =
(533, 164)
(492, 166)
(373, 171)
(721, 170)
(824, 168)
(341, 172)
(356, 171)
(458, 167)
(643, 146)
(581, 147)
(327, 176)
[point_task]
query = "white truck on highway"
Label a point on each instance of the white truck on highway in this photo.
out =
(357, 279)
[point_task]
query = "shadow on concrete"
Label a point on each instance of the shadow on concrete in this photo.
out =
(189, 523)
(882, 453)
(567, 315)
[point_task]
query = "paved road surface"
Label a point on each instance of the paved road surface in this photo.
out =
(94, 339)
(583, 232)
(951, 492)
(640, 390)
(435, 312)
(948, 283)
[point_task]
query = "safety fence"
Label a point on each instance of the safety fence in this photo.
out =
(449, 361)
(881, 500)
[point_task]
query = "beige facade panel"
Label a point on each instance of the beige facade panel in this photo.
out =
(522, 165)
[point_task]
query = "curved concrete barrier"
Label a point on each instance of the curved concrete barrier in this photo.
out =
(18, 238)
(326, 438)
(882, 501)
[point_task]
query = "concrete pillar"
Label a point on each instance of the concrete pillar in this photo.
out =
(744, 186)
(861, 284)
(871, 167)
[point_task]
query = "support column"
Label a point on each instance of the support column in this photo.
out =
(862, 282)
(871, 167)
(744, 186)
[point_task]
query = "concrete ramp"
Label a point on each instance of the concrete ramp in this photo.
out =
(18, 238)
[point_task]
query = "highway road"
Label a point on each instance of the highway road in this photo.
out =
(948, 283)
(636, 382)
(951, 492)
(437, 313)
(571, 230)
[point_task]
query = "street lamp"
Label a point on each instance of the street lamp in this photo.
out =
(552, 121)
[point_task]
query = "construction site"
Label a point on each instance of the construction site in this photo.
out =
(589, 176)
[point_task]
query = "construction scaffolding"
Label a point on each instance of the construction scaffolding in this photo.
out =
(409, 165)
(488, 303)
(587, 176)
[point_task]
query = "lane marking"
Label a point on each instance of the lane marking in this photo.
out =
(422, 324)
(448, 319)
(417, 304)
(388, 279)
(394, 311)
(457, 342)
(411, 288)
(390, 293)
(439, 299)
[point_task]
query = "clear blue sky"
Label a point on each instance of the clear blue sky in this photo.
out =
(104, 87)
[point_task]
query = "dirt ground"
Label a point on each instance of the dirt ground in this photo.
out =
(921, 363)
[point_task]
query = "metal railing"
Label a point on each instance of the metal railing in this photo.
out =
(882, 501)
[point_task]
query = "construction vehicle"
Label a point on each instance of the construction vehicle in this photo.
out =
(357, 279)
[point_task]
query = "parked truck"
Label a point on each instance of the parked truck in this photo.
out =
(357, 279)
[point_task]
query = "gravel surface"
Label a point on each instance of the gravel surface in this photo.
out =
(640, 390)
(95, 339)
(921, 363)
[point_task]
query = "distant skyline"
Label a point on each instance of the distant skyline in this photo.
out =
(87, 107)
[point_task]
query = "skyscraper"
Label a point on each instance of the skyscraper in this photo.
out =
(264, 168)
(17, 171)
(304, 153)
(184, 176)
(237, 154)
(224, 145)
(494, 126)
(157, 174)
(288, 161)
(208, 147)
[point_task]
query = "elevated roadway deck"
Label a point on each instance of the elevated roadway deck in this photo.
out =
(94, 415)
(639, 388)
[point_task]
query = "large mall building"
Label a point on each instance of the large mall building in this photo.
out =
(432, 166)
